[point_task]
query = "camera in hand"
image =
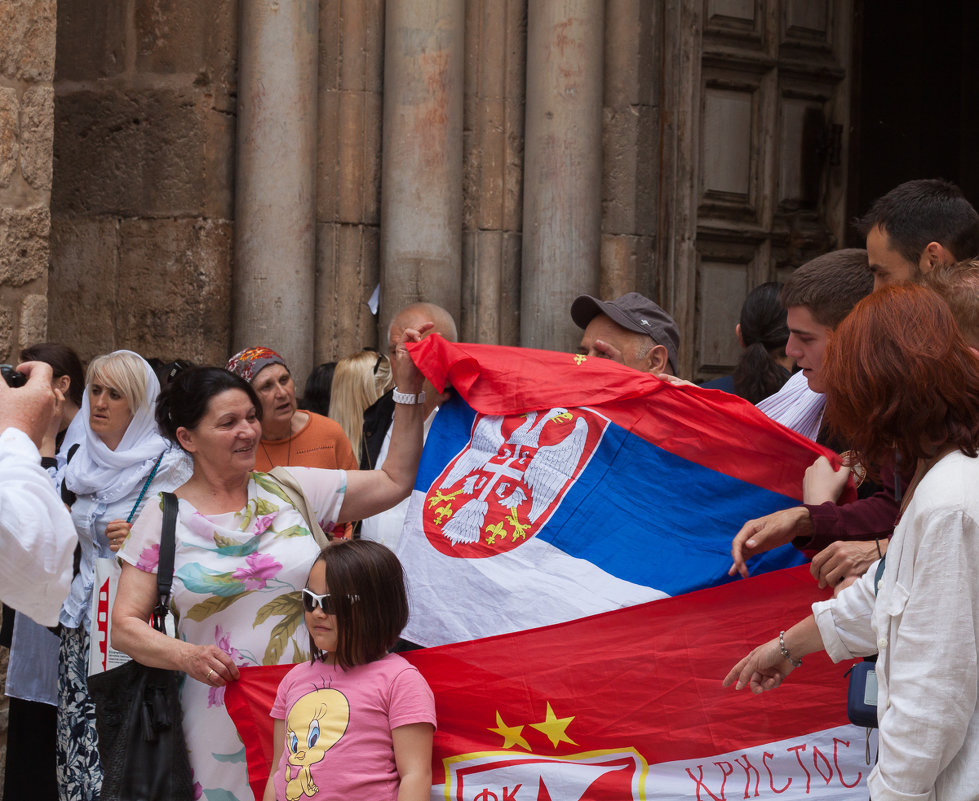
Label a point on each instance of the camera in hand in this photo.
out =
(12, 377)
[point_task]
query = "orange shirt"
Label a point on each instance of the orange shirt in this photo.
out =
(319, 443)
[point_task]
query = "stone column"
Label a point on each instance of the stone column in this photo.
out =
(493, 165)
(633, 54)
(348, 196)
(421, 169)
(275, 196)
(562, 168)
(27, 49)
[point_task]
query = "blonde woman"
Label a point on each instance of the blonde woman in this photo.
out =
(358, 381)
(120, 461)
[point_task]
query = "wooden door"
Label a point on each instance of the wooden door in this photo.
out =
(757, 98)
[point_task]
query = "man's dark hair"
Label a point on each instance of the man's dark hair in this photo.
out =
(922, 211)
(830, 285)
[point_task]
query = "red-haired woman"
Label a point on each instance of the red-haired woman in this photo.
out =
(901, 380)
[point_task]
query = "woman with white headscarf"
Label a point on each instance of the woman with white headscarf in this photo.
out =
(120, 460)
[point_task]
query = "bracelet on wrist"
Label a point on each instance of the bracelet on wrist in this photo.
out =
(407, 398)
(785, 651)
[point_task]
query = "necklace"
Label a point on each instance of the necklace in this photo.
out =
(272, 461)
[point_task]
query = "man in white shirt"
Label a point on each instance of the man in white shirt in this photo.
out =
(37, 538)
(385, 527)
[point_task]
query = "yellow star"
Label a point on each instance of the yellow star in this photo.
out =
(511, 734)
(579, 358)
(555, 728)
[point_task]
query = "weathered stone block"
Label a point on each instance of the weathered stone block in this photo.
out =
(349, 157)
(37, 136)
(330, 44)
(219, 164)
(362, 55)
(6, 331)
(513, 129)
(351, 44)
(23, 245)
(491, 287)
(175, 288)
(27, 40)
(9, 134)
(83, 283)
(188, 36)
(133, 153)
(628, 265)
(630, 141)
(492, 164)
(632, 53)
(33, 319)
(92, 39)
(347, 270)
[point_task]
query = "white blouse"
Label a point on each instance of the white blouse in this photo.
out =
(924, 624)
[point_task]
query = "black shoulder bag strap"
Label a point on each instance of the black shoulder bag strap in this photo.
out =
(164, 571)
(67, 496)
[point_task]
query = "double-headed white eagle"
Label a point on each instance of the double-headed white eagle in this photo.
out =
(545, 473)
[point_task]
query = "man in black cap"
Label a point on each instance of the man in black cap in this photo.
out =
(631, 330)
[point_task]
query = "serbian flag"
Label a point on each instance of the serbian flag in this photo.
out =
(624, 705)
(555, 486)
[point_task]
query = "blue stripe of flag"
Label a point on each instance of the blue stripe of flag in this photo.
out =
(638, 512)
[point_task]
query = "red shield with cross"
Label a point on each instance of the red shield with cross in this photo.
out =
(515, 777)
(502, 488)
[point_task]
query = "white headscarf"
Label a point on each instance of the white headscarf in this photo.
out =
(96, 469)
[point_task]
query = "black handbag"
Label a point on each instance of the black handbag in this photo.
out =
(137, 710)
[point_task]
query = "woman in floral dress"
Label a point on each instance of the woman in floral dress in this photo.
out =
(243, 552)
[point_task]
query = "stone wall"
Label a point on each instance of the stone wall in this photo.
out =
(27, 50)
(144, 159)
(141, 240)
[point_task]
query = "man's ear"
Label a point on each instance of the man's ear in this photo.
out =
(935, 253)
(659, 360)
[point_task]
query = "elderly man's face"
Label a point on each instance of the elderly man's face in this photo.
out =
(277, 392)
(605, 339)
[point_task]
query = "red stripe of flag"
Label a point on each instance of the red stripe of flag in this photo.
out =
(644, 680)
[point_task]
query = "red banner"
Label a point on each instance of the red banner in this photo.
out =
(627, 704)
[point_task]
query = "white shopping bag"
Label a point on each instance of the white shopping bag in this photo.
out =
(101, 656)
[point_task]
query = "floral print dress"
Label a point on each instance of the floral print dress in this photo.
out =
(237, 583)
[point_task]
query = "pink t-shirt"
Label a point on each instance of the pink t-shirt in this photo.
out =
(338, 741)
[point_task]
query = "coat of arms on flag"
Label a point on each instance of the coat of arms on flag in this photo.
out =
(511, 777)
(508, 479)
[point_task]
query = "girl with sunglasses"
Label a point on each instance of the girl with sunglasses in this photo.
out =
(355, 721)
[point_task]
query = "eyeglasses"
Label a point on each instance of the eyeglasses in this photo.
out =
(325, 602)
(380, 358)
